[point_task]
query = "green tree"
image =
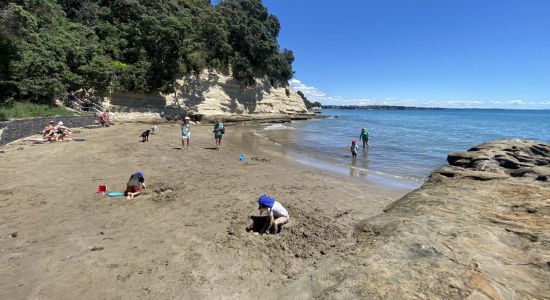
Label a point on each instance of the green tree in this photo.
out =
(51, 48)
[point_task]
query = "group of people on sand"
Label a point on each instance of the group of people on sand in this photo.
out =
(364, 137)
(274, 213)
(55, 131)
(218, 131)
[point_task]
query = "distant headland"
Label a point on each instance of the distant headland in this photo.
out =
(381, 107)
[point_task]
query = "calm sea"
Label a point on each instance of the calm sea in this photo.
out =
(406, 144)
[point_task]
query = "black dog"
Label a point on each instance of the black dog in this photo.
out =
(145, 136)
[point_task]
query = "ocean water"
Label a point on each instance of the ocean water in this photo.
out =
(406, 144)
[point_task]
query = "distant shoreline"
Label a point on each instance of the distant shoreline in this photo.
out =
(380, 107)
(397, 107)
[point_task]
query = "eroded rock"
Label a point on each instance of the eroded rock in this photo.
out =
(478, 229)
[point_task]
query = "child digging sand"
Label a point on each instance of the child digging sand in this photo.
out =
(276, 214)
(134, 186)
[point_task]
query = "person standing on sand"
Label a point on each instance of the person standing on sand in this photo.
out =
(277, 215)
(218, 134)
(364, 137)
(185, 132)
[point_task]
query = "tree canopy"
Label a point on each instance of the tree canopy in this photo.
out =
(51, 48)
(308, 103)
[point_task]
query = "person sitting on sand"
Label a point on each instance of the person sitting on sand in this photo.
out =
(364, 137)
(354, 148)
(277, 215)
(60, 131)
(185, 132)
(48, 131)
(104, 118)
(135, 185)
(218, 134)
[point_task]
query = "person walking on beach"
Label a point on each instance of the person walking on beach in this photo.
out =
(185, 132)
(354, 148)
(364, 137)
(218, 134)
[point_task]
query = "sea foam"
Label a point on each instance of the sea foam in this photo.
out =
(278, 127)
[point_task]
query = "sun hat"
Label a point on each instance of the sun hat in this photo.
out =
(265, 201)
(187, 118)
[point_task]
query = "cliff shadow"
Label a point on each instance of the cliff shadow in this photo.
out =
(191, 92)
(245, 99)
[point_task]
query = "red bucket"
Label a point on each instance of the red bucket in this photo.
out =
(102, 189)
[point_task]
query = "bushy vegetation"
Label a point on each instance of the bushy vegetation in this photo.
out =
(19, 110)
(308, 103)
(51, 48)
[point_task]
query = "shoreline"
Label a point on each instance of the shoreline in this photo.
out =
(318, 162)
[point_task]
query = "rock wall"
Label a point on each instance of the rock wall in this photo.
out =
(213, 93)
(478, 229)
(16, 129)
(210, 94)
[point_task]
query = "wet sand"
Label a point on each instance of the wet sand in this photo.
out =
(185, 237)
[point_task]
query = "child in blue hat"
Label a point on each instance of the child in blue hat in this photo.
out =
(135, 185)
(276, 214)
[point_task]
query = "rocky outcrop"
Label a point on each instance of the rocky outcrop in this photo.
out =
(501, 159)
(478, 229)
(213, 95)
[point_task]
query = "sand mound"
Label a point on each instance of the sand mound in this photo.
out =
(163, 193)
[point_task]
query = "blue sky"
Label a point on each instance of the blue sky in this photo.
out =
(450, 53)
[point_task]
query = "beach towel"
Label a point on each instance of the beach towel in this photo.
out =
(115, 194)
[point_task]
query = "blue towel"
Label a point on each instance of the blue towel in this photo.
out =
(115, 194)
(265, 201)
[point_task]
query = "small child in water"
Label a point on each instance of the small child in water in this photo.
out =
(364, 137)
(354, 148)
(135, 185)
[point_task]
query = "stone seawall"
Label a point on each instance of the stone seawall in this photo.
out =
(16, 129)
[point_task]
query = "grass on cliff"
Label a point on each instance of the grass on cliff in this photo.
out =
(20, 110)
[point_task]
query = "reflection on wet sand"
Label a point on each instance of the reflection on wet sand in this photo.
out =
(285, 143)
(354, 171)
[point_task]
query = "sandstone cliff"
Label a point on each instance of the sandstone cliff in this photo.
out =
(478, 229)
(212, 94)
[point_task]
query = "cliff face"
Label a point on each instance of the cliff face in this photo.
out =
(210, 94)
(478, 229)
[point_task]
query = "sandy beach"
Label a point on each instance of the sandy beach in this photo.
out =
(185, 237)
